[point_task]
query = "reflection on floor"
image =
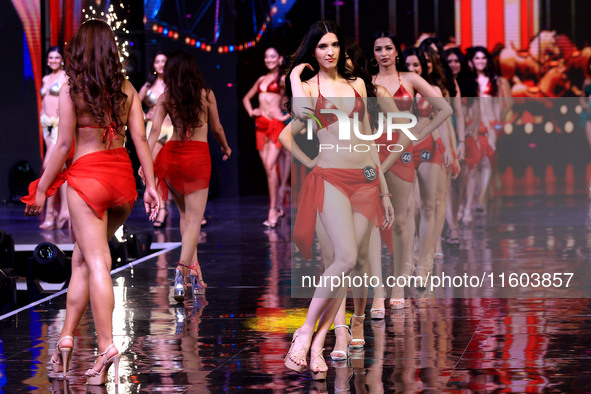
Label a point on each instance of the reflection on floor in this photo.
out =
(235, 337)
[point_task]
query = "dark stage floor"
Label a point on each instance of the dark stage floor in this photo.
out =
(235, 338)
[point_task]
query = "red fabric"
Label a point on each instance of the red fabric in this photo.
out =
(485, 149)
(403, 168)
(472, 152)
(466, 24)
(268, 128)
(426, 151)
(103, 179)
(495, 23)
(363, 195)
(183, 165)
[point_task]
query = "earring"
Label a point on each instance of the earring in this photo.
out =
(397, 58)
(47, 64)
(374, 62)
(62, 62)
(154, 72)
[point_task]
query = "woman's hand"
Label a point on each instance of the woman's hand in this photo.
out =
(388, 213)
(140, 172)
(37, 208)
(312, 163)
(448, 158)
(227, 152)
(255, 113)
(461, 150)
(298, 70)
(151, 202)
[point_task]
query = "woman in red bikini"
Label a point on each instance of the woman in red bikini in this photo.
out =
(183, 165)
(345, 189)
(400, 175)
(270, 120)
(495, 101)
(94, 106)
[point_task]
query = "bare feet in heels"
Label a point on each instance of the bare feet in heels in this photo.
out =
(98, 374)
(60, 360)
(63, 220)
(49, 222)
(161, 218)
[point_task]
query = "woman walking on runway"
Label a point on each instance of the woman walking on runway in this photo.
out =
(270, 119)
(342, 191)
(183, 165)
(94, 106)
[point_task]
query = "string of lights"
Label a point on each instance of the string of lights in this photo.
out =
(202, 44)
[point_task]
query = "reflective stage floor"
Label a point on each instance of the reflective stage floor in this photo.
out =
(235, 338)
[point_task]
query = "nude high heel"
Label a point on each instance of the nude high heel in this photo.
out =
(356, 343)
(98, 378)
(341, 355)
(295, 362)
(64, 355)
(49, 222)
(317, 361)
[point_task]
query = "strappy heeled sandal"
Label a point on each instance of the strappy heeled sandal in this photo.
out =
(198, 285)
(98, 378)
(397, 303)
(356, 343)
(318, 375)
(341, 355)
(63, 355)
(271, 223)
(296, 361)
(49, 222)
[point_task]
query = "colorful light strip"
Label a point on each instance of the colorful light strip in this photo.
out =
(199, 44)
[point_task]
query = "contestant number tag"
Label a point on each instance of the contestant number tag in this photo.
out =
(370, 173)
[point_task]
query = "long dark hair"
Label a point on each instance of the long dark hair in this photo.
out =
(400, 65)
(305, 53)
(359, 61)
(418, 52)
(425, 45)
(184, 85)
(57, 49)
(437, 74)
(465, 78)
(490, 70)
(95, 72)
(151, 78)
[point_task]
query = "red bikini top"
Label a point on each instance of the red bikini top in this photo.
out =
(273, 87)
(488, 89)
(424, 108)
(111, 132)
(402, 97)
(323, 103)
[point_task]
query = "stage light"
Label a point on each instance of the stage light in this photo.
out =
(50, 263)
(528, 128)
(548, 127)
(138, 242)
(569, 127)
(578, 109)
(6, 250)
(563, 109)
(118, 248)
(508, 128)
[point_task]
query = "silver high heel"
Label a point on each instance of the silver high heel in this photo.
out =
(179, 286)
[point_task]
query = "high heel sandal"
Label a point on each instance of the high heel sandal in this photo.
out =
(98, 378)
(356, 343)
(49, 222)
(341, 355)
(318, 375)
(179, 286)
(198, 285)
(290, 359)
(397, 303)
(271, 223)
(161, 221)
(64, 222)
(64, 355)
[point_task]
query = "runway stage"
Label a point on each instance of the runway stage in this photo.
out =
(236, 337)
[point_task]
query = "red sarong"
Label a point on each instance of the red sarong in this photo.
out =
(184, 166)
(268, 128)
(403, 168)
(363, 195)
(472, 155)
(103, 179)
(426, 151)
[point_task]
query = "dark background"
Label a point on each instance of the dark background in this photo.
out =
(230, 75)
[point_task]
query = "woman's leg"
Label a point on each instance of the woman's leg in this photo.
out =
(428, 176)
(269, 156)
(340, 228)
(191, 209)
(485, 176)
(285, 176)
(402, 230)
(588, 134)
(92, 239)
(441, 207)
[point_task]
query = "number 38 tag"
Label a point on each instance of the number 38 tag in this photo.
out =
(370, 173)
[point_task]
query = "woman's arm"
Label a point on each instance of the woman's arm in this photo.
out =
(63, 145)
(216, 126)
(300, 92)
(505, 96)
(143, 92)
(286, 138)
(460, 123)
(249, 96)
(440, 105)
(137, 129)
